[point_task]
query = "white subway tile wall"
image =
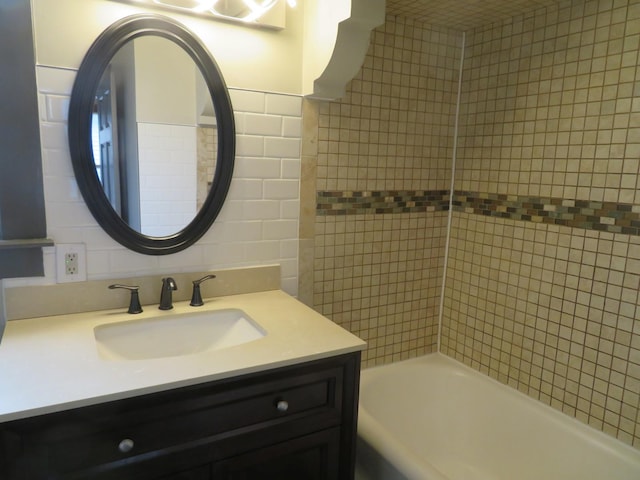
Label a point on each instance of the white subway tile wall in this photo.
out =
(167, 161)
(257, 225)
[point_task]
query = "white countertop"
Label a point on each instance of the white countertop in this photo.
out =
(50, 364)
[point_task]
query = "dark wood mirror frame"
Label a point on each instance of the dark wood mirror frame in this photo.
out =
(80, 110)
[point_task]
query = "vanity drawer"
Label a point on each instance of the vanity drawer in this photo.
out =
(122, 433)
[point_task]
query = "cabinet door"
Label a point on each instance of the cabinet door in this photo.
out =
(312, 457)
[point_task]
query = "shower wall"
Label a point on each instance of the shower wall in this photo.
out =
(544, 266)
(380, 159)
(543, 271)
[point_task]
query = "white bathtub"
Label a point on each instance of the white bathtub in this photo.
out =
(434, 418)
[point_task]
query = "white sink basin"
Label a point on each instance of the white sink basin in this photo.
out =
(176, 335)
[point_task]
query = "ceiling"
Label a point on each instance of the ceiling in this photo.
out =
(463, 14)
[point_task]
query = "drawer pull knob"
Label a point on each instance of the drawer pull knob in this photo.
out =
(282, 405)
(126, 445)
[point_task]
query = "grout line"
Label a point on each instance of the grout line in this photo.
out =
(451, 190)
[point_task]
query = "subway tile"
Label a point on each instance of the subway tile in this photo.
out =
(261, 210)
(190, 258)
(61, 189)
(282, 147)
(289, 248)
(246, 189)
(124, 261)
(290, 209)
(240, 231)
(262, 251)
(281, 189)
(289, 267)
(291, 127)
(68, 214)
(42, 107)
(290, 285)
(250, 146)
(291, 168)
(279, 229)
(97, 263)
(55, 81)
(247, 101)
(262, 124)
(257, 167)
(238, 119)
(289, 105)
(53, 136)
(57, 108)
(232, 210)
(56, 162)
(226, 254)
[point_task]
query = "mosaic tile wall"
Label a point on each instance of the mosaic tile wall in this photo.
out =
(544, 268)
(462, 15)
(382, 176)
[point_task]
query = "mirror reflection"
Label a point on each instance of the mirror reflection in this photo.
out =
(154, 136)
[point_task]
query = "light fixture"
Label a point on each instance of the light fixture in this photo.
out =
(258, 12)
(196, 6)
(244, 10)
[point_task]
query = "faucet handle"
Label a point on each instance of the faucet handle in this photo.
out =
(134, 302)
(196, 297)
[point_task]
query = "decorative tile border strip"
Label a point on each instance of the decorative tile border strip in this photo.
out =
(373, 202)
(603, 216)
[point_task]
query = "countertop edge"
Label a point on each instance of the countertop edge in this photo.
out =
(87, 402)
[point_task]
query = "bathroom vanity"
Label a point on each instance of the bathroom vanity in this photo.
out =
(248, 386)
(282, 407)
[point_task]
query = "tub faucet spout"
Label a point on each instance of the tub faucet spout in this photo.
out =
(168, 286)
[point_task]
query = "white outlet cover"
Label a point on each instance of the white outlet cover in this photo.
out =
(80, 250)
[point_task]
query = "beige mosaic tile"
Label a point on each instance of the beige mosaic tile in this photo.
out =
(550, 105)
(551, 311)
(463, 14)
(379, 274)
(550, 111)
(394, 128)
(550, 128)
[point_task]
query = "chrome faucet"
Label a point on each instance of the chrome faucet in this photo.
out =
(168, 286)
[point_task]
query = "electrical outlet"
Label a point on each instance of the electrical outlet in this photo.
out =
(71, 265)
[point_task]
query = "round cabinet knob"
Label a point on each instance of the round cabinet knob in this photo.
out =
(282, 405)
(126, 445)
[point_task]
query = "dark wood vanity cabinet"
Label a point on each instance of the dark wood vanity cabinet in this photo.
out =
(291, 423)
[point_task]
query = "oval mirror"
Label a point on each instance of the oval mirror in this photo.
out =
(151, 134)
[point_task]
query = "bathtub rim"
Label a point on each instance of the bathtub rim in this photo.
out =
(404, 460)
(400, 457)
